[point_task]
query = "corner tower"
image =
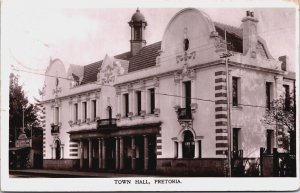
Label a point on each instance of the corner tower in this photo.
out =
(138, 25)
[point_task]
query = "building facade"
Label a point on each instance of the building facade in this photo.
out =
(163, 106)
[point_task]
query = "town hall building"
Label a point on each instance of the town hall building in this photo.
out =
(163, 106)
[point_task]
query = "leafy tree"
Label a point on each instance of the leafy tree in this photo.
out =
(17, 103)
(282, 112)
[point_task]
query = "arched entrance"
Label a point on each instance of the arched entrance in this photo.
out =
(188, 145)
(57, 149)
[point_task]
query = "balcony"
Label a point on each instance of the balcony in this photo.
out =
(184, 113)
(55, 129)
(106, 123)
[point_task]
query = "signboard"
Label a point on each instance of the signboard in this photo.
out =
(23, 143)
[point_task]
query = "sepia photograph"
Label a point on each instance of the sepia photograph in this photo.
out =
(149, 97)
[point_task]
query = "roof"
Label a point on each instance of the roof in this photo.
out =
(145, 58)
(234, 36)
(90, 72)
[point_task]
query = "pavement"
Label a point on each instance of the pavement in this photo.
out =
(72, 173)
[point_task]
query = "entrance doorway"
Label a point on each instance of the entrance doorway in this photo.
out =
(57, 149)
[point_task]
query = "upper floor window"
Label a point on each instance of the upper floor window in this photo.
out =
(125, 104)
(84, 111)
(187, 94)
(151, 92)
(75, 112)
(93, 109)
(235, 91)
(268, 94)
(138, 102)
(287, 98)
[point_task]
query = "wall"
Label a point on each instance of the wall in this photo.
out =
(191, 167)
(61, 164)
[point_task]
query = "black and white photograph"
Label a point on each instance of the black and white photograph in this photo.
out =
(149, 97)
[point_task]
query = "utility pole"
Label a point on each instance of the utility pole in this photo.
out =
(226, 55)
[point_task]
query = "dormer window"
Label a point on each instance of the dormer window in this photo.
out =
(186, 44)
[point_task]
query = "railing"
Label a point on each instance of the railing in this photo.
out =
(55, 129)
(184, 113)
(106, 123)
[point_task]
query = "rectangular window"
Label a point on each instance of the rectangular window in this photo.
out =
(94, 109)
(84, 111)
(75, 112)
(152, 100)
(268, 94)
(235, 91)
(270, 141)
(126, 104)
(235, 139)
(138, 102)
(56, 115)
(287, 102)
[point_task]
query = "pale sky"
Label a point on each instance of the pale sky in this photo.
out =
(31, 35)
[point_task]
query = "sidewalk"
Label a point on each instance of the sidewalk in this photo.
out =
(72, 173)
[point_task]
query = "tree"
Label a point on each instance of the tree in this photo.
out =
(17, 103)
(282, 112)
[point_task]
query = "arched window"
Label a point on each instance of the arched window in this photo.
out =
(57, 149)
(188, 145)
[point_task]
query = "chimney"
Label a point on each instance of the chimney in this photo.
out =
(249, 33)
(283, 60)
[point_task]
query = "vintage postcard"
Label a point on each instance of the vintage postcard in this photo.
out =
(140, 96)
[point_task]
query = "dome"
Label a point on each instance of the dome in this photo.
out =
(138, 17)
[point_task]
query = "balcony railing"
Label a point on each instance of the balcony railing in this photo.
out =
(184, 113)
(106, 123)
(55, 128)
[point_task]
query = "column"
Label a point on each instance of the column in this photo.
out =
(81, 153)
(133, 158)
(121, 153)
(99, 154)
(103, 154)
(146, 157)
(117, 153)
(179, 149)
(90, 153)
(196, 149)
